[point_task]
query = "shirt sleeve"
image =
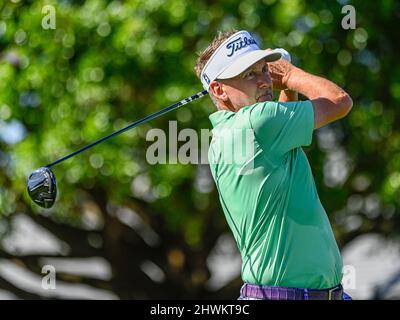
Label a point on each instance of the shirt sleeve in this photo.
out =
(282, 126)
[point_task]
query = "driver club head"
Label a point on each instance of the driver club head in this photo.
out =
(42, 187)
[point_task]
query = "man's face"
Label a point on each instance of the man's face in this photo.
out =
(251, 86)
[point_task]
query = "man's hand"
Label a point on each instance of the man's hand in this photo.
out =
(279, 71)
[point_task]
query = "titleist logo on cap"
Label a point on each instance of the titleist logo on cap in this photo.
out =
(237, 44)
(233, 56)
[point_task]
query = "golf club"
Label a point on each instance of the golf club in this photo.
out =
(42, 186)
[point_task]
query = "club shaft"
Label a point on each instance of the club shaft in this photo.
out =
(132, 125)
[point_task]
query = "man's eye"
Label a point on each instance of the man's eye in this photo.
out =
(249, 74)
(265, 69)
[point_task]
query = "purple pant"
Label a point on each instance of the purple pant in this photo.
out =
(256, 292)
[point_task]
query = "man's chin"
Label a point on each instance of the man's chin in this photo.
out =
(264, 98)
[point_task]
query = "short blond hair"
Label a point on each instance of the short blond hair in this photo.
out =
(207, 53)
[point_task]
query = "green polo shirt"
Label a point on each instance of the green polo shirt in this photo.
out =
(269, 197)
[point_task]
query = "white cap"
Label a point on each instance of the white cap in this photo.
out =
(236, 54)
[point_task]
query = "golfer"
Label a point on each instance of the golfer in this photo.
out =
(281, 229)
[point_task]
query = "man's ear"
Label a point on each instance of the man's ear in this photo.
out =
(217, 89)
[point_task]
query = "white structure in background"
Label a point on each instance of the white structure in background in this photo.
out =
(369, 262)
(31, 282)
(224, 262)
(376, 262)
(27, 237)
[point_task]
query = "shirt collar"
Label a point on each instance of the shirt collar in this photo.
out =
(220, 116)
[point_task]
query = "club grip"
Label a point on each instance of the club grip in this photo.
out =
(285, 54)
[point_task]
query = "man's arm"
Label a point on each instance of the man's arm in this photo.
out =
(330, 102)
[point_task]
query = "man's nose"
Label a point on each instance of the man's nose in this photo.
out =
(264, 81)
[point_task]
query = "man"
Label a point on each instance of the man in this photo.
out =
(280, 226)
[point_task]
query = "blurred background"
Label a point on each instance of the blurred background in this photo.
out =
(124, 229)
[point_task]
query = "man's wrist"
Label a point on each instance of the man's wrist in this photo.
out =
(288, 95)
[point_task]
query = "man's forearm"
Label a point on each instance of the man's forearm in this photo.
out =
(313, 87)
(330, 102)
